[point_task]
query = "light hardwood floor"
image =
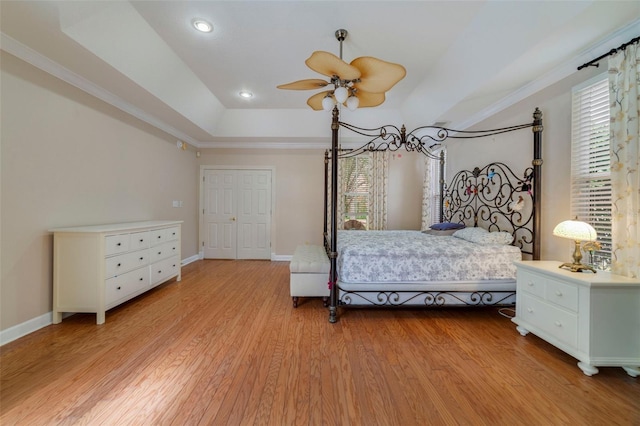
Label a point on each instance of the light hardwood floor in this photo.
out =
(225, 347)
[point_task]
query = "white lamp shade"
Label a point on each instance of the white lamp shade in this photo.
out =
(341, 94)
(575, 230)
(352, 103)
(327, 103)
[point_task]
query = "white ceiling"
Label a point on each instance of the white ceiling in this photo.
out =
(464, 59)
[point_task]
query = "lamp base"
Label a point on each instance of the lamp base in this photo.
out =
(577, 267)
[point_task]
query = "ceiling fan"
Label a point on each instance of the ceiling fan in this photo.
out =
(362, 83)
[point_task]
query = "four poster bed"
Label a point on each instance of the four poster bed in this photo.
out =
(473, 267)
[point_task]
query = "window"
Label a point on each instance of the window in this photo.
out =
(434, 170)
(590, 164)
(355, 191)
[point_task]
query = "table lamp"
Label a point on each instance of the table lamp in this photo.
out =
(577, 231)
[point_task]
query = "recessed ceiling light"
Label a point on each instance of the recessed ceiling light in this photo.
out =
(246, 94)
(202, 25)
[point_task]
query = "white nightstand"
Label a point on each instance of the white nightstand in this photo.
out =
(592, 317)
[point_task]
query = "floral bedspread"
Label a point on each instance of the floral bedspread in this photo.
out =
(411, 256)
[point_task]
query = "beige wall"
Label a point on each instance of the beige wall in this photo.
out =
(69, 159)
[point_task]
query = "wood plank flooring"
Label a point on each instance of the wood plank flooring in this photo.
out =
(225, 347)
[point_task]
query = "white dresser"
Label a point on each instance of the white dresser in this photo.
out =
(96, 268)
(593, 317)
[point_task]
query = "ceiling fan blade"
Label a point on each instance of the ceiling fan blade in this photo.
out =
(315, 101)
(309, 84)
(378, 76)
(329, 64)
(368, 99)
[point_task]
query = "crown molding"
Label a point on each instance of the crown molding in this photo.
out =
(569, 67)
(53, 68)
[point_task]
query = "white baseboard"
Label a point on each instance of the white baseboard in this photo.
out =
(274, 257)
(191, 259)
(27, 327)
(281, 257)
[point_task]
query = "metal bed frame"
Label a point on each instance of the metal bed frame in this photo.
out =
(494, 195)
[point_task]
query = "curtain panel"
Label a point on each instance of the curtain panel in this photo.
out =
(378, 183)
(427, 219)
(624, 79)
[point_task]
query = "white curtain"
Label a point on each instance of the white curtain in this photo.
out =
(427, 196)
(378, 183)
(624, 79)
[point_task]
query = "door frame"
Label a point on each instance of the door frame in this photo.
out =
(201, 203)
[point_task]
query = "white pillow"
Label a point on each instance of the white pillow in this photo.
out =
(501, 237)
(481, 236)
(474, 234)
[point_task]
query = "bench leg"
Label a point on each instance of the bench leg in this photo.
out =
(295, 301)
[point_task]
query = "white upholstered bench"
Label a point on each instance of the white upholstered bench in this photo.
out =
(309, 273)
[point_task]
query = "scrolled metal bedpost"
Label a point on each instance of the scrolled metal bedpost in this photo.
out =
(333, 274)
(441, 163)
(326, 194)
(537, 181)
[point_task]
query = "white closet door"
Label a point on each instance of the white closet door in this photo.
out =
(220, 221)
(254, 214)
(237, 214)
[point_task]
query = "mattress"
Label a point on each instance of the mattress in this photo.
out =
(401, 257)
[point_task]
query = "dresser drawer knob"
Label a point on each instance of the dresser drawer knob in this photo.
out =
(558, 324)
(119, 244)
(141, 279)
(159, 252)
(530, 284)
(119, 264)
(558, 293)
(119, 288)
(530, 310)
(142, 258)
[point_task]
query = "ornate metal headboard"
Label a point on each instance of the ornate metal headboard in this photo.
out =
(495, 198)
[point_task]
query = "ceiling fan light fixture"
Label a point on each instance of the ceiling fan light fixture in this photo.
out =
(327, 103)
(202, 25)
(341, 94)
(370, 77)
(353, 102)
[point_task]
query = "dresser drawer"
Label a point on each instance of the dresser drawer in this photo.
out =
(164, 269)
(556, 322)
(122, 286)
(173, 233)
(163, 251)
(139, 240)
(120, 264)
(531, 282)
(562, 294)
(115, 244)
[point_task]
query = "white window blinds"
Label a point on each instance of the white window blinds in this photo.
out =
(435, 187)
(590, 162)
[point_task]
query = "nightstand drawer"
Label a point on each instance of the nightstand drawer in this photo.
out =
(531, 283)
(565, 295)
(558, 323)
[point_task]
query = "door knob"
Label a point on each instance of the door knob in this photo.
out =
(233, 219)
